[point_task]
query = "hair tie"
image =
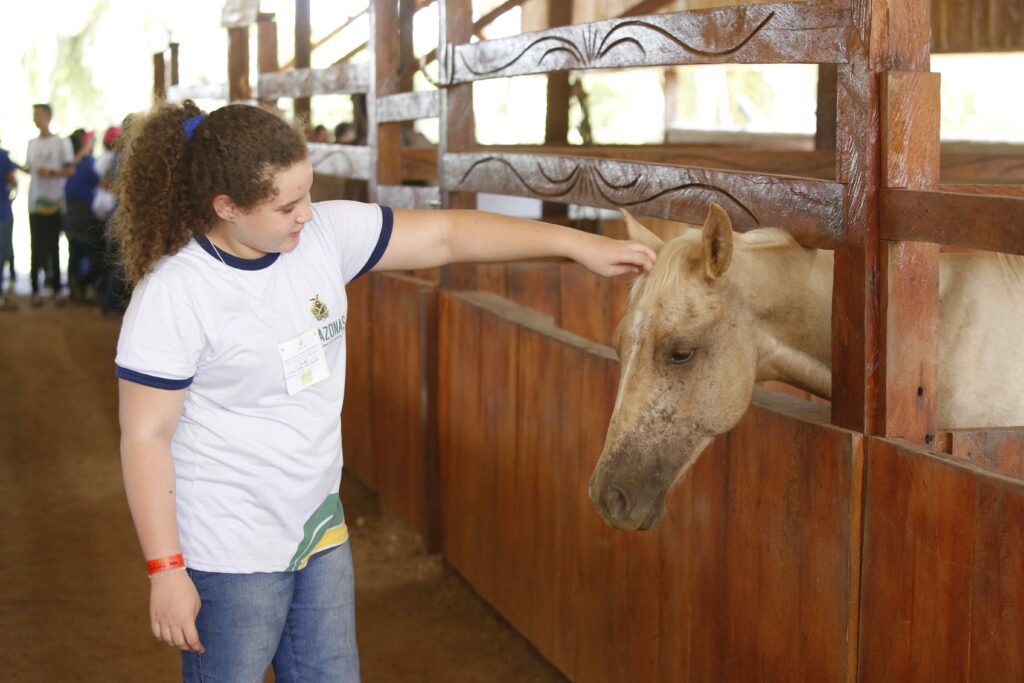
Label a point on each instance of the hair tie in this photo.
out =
(190, 125)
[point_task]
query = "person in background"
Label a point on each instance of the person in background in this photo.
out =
(345, 133)
(50, 160)
(319, 134)
(9, 182)
(81, 226)
(109, 277)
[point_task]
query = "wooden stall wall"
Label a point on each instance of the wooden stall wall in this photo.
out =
(943, 584)
(753, 575)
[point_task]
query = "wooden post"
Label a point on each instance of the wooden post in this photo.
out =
(910, 270)
(266, 48)
(457, 124)
(556, 128)
(825, 131)
(384, 139)
(303, 47)
(238, 64)
(159, 78)
(893, 36)
(174, 63)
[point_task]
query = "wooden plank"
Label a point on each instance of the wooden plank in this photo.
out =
(299, 83)
(456, 121)
(996, 450)
(408, 197)
(383, 140)
(940, 571)
(910, 270)
(535, 284)
(992, 223)
(303, 48)
(266, 48)
(403, 393)
(408, 106)
(238, 64)
(160, 91)
(760, 34)
(199, 91)
(657, 190)
(357, 415)
(461, 438)
(586, 303)
(341, 161)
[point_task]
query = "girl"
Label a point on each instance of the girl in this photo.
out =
(231, 362)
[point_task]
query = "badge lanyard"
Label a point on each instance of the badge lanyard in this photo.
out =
(302, 357)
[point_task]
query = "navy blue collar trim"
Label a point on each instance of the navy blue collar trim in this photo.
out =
(236, 261)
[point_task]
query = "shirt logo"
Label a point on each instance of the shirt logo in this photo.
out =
(319, 309)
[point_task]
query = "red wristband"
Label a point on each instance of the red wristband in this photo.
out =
(164, 563)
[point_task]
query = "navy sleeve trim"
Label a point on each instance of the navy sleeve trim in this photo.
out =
(387, 222)
(151, 381)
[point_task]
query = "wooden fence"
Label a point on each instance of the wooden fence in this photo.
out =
(854, 542)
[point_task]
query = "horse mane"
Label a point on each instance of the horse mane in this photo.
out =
(685, 252)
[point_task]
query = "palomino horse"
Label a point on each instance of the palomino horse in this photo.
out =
(721, 311)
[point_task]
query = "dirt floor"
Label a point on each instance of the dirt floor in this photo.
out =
(73, 590)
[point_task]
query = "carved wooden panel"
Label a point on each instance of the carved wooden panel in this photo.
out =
(200, 91)
(406, 197)
(344, 161)
(334, 80)
(761, 34)
(408, 106)
(655, 190)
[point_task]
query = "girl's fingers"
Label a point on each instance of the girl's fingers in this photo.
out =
(192, 639)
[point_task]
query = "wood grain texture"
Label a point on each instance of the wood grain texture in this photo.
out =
(753, 574)
(408, 106)
(238, 64)
(403, 395)
(763, 34)
(357, 426)
(657, 190)
(909, 334)
(942, 587)
(996, 450)
(333, 80)
(992, 222)
(341, 161)
(266, 48)
(407, 197)
(981, 26)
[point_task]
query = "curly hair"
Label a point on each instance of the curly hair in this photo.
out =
(166, 183)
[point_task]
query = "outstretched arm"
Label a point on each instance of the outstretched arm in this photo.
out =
(426, 238)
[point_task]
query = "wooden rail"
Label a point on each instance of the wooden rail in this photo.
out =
(763, 34)
(990, 222)
(656, 190)
(334, 80)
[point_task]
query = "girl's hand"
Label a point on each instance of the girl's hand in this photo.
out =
(173, 606)
(610, 257)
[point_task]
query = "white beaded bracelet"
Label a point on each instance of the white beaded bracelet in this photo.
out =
(166, 573)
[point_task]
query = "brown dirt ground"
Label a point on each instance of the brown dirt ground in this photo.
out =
(72, 589)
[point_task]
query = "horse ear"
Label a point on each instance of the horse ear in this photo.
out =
(641, 234)
(717, 239)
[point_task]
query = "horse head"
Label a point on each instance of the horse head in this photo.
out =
(688, 371)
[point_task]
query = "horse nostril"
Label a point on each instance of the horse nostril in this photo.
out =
(615, 502)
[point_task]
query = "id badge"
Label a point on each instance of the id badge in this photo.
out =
(304, 362)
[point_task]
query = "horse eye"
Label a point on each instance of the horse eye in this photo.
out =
(680, 356)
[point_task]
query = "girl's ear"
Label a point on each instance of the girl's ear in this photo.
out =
(225, 208)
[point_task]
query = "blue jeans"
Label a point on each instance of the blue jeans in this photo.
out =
(303, 622)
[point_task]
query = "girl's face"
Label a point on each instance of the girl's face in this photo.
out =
(273, 226)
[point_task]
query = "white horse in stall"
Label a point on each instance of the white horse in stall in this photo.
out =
(722, 311)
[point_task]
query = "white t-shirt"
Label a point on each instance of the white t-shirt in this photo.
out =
(257, 470)
(46, 195)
